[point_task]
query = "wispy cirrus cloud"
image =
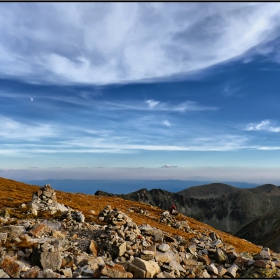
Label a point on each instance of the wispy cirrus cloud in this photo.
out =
(264, 125)
(11, 129)
(157, 106)
(140, 41)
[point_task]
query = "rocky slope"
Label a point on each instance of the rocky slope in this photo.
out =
(222, 206)
(59, 241)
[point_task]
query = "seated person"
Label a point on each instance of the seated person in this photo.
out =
(173, 210)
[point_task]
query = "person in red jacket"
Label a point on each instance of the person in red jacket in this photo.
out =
(173, 210)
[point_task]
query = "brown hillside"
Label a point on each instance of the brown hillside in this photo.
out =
(13, 194)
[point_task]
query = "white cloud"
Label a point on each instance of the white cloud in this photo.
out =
(147, 135)
(167, 123)
(263, 125)
(169, 166)
(152, 103)
(11, 129)
(101, 43)
(272, 148)
(191, 106)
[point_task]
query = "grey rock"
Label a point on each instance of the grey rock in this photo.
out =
(232, 270)
(176, 266)
(212, 268)
(164, 247)
(51, 260)
(213, 235)
(3, 237)
(137, 271)
(13, 231)
(131, 237)
(151, 267)
(11, 266)
(52, 225)
(166, 257)
(47, 273)
(4, 214)
(221, 256)
(216, 243)
(119, 250)
(67, 272)
(3, 274)
(192, 249)
(265, 253)
(205, 274)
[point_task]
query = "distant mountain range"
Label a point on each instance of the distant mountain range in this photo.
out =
(242, 209)
(126, 186)
(250, 213)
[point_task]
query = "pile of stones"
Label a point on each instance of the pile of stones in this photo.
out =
(170, 220)
(73, 215)
(138, 210)
(70, 247)
(45, 200)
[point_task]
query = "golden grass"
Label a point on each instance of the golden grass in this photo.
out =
(22, 193)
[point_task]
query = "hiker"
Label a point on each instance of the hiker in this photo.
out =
(173, 210)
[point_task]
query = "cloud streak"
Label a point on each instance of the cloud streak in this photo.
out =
(152, 103)
(11, 129)
(264, 125)
(126, 42)
(157, 106)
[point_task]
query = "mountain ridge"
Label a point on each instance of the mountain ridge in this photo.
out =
(222, 206)
(14, 193)
(90, 186)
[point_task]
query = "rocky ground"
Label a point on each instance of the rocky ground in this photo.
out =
(63, 245)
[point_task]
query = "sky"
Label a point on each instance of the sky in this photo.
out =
(140, 91)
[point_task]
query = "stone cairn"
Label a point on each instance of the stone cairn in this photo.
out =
(45, 200)
(170, 220)
(117, 247)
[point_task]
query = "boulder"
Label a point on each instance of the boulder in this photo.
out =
(176, 265)
(3, 237)
(151, 267)
(3, 274)
(265, 253)
(164, 247)
(117, 271)
(221, 256)
(39, 229)
(11, 267)
(51, 260)
(4, 214)
(232, 270)
(93, 248)
(12, 230)
(137, 271)
(212, 269)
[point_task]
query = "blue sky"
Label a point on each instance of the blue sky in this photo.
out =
(140, 91)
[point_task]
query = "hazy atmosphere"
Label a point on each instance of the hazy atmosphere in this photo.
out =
(140, 91)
